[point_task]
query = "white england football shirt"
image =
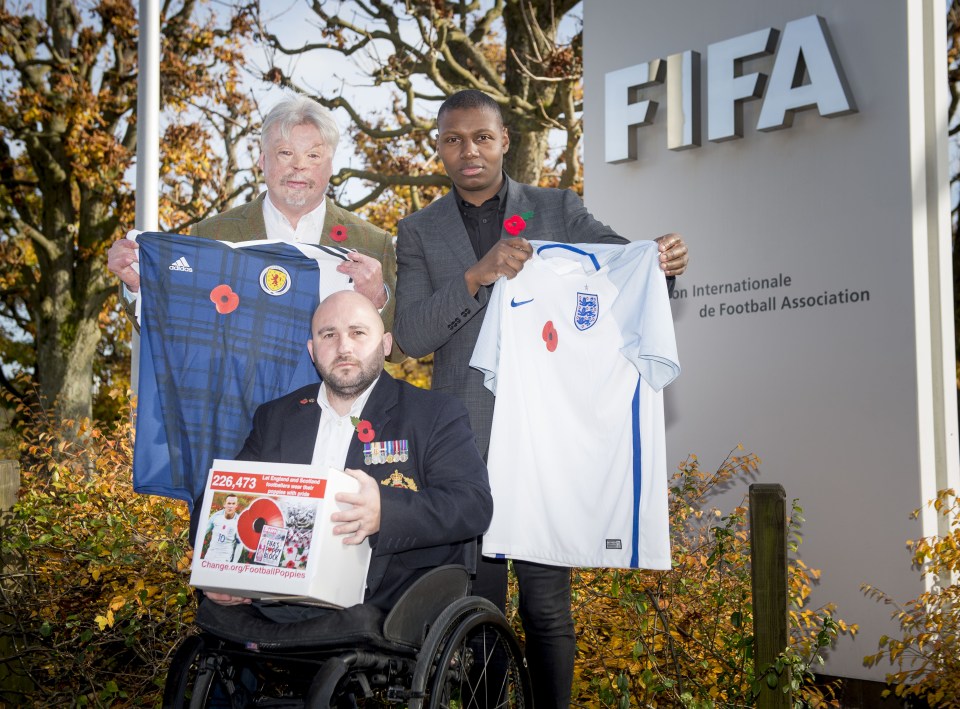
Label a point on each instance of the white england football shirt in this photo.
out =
(224, 538)
(577, 348)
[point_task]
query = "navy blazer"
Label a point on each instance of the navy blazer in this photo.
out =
(432, 506)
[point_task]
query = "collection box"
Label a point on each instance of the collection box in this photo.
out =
(265, 532)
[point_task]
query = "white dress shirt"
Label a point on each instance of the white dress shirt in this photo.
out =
(309, 226)
(336, 431)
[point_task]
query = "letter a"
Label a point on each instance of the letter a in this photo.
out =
(805, 48)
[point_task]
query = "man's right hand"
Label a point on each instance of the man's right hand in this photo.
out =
(225, 599)
(120, 259)
(506, 258)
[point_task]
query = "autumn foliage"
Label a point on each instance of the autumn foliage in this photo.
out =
(95, 594)
(926, 659)
(684, 637)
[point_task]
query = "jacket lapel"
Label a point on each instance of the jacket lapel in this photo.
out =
(249, 223)
(451, 231)
(298, 437)
(333, 217)
(379, 412)
(518, 203)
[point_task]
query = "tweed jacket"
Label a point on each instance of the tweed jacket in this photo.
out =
(245, 223)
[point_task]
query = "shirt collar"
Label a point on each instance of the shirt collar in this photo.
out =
(312, 220)
(355, 409)
(500, 195)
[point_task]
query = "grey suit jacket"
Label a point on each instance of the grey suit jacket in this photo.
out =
(435, 313)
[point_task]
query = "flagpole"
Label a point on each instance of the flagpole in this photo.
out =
(148, 140)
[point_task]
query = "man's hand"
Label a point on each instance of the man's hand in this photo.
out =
(363, 519)
(673, 254)
(506, 258)
(367, 275)
(225, 599)
(120, 259)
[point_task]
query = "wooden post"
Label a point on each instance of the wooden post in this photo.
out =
(768, 553)
(14, 683)
(9, 484)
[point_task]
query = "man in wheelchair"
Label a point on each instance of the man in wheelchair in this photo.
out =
(419, 513)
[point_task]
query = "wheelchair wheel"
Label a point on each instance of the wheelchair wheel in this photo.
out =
(190, 678)
(474, 659)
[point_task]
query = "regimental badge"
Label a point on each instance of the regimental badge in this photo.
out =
(588, 310)
(395, 479)
(274, 280)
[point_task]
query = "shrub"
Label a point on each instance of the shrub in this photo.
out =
(93, 594)
(927, 657)
(418, 372)
(684, 637)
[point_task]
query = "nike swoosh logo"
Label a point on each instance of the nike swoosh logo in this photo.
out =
(515, 304)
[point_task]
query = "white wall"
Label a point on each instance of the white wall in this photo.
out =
(830, 397)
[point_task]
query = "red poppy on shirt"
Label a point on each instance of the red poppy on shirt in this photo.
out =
(224, 299)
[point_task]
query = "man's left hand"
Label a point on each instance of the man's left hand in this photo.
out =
(367, 275)
(363, 518)
(673, 254)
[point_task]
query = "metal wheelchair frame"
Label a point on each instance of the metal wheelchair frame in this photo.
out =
(437, 648)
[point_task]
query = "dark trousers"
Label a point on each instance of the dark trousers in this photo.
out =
(551, 643)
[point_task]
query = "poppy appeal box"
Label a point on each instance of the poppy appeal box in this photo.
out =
(265, 532)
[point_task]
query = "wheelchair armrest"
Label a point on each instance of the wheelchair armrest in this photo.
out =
(411, 617)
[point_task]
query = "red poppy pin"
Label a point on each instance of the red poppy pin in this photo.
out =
(365, 432)
(224, 299)
(339, 233)
(550, 336)
(517, 223)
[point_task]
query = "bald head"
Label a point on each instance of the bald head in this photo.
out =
(350, 304)
(347, 345)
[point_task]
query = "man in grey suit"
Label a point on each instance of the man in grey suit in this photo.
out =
(298, 140)
(449, 255)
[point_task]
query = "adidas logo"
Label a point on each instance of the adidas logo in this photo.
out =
(181, 265)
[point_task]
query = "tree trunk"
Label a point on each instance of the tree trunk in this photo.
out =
(531, 32)
(524, 161)
(66, 346)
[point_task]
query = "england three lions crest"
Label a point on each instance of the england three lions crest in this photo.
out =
(588, 310)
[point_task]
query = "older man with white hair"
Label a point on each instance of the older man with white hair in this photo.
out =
(298, 140)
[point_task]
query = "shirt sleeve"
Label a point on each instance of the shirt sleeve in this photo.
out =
(486, 353)
(643, 313)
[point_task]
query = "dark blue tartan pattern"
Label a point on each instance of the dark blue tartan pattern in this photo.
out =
(203, 373)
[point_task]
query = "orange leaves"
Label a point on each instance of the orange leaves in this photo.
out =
(684, 637)
(103, 566)
(927, 656)
(418, 372)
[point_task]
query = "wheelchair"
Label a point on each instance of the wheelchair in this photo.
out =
(437, 648)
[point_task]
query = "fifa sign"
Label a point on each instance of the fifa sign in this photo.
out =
(806, 74)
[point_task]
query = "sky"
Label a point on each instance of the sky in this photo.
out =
(329, 73)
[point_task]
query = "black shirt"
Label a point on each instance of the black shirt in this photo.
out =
(484, 223)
